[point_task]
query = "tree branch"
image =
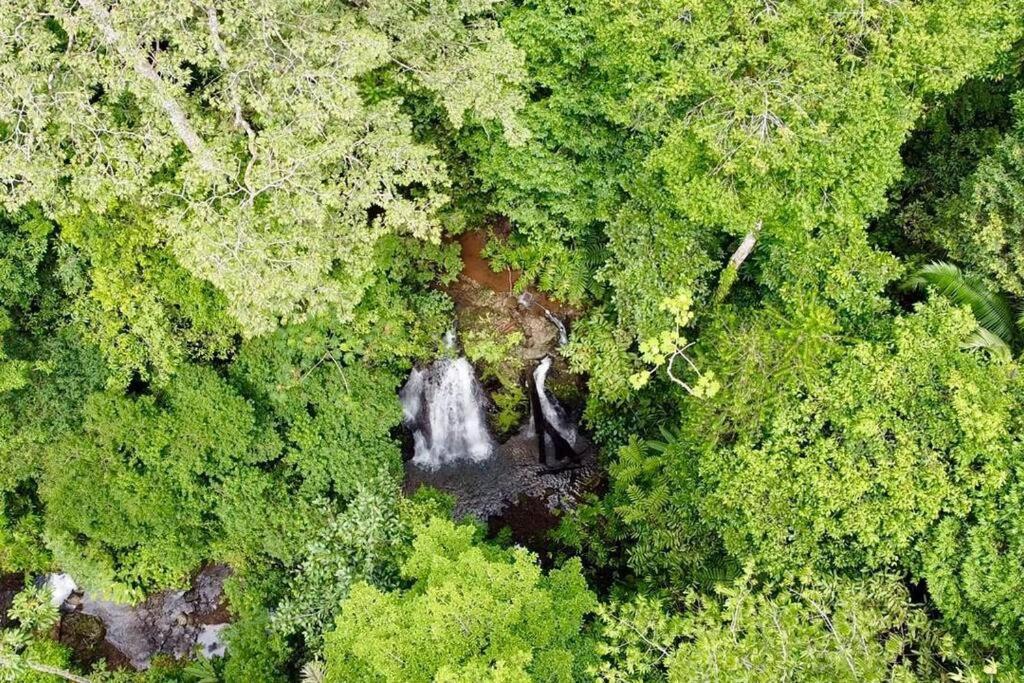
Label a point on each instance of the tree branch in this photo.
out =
(746, 246)
(134, 58)
(732, 269)
(46, 669)
(234, 92)
(671, 376)
(66, 675)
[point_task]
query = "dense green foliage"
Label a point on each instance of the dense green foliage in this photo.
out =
(788, 238)
(472, 613)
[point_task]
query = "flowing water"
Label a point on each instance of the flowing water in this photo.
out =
(443, 405)
(553, 412)
(528, 301)
(563, 336)
(171, 622)
(61, 587)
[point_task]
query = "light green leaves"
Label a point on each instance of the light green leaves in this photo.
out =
(664, 349)
(841, 631)
(253, 137)
(637, 638)
(474, 612)
(857, 466)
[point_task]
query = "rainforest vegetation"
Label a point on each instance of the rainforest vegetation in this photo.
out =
(788, 239)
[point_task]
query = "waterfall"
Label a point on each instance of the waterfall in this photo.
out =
(444, 407)
(553, 413)
(527, 301)
(563, 336)
(61, 587)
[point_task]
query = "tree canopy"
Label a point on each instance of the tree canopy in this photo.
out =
(785, 240)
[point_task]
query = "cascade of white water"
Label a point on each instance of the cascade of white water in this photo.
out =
(527, 301)
(563, 336)
(61, 587)
(443, 405)
(553, 413)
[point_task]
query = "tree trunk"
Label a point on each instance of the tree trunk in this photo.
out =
(746, 246)
(732, 269)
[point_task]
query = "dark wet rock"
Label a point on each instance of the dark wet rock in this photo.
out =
(487, 489)
(10, 585)
(528, 522)
(85, 636)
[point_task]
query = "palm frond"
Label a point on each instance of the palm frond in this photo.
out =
(983, 339)
(669, 438)
(992, 311)
(313, 672)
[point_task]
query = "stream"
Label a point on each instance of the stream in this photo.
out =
(176, 623)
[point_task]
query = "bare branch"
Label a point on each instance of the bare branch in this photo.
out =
(668, 370)
(732, 268)
(234, 92)
(46, 669)
(134, 58)
(746, 247)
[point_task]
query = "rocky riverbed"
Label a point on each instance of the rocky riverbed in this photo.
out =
(511, 487)
(173, 623)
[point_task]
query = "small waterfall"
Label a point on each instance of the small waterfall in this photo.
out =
(527, 301)
(61, 587)
(552, 411)
(449, 338)
(443, 405)
(563, 336)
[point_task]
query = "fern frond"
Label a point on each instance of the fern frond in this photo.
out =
(715, 572)
(201, 671)
(992, 311)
